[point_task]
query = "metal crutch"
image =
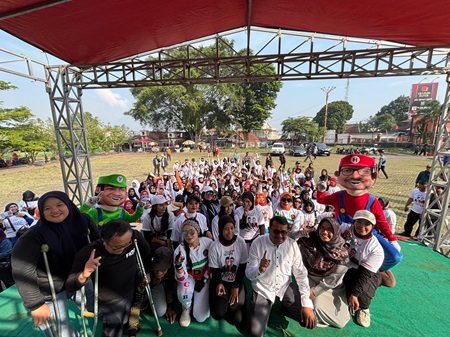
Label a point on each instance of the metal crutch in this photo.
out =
(147, 288)
(84, 312)
(44, 250)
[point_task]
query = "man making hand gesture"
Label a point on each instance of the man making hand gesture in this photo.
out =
(273, 259)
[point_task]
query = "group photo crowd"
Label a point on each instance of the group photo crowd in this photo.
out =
(226, 238)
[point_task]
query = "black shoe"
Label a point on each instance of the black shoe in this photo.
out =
(404, 234)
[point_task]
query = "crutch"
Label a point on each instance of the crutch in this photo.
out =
(147, 288)
(53, 332)
(84, 312)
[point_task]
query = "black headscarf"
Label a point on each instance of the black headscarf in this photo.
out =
(66, 238)
(249, 196)
(223, 220)
(320, 258)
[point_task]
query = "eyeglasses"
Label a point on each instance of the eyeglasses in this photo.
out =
(364, 171)
(116, 249)
(286, 199)
(277, 232)
(189, 232)
(209, 193)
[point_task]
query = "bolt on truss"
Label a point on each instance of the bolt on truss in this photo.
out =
(68, 119)
(434, 226)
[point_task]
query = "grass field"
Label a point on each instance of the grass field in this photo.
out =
(402, 170)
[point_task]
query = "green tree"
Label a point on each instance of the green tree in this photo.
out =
(428, 116)
(398, 109)
(381, 123)
(339, 112)
(116, 136)
(193, 107)
(258, 99)
(95, 131)
(301, 129)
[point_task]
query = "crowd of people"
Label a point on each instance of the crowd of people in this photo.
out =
(206, 226)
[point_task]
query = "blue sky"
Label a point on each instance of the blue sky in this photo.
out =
(296, 98)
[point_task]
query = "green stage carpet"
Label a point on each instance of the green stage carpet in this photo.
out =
(418, 306)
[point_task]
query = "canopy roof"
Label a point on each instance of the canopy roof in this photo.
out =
(92, 32)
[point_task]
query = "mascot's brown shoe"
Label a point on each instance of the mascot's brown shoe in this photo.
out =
(387, 279)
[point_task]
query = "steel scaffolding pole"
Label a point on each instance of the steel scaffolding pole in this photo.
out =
(434, 226)
(68, 120)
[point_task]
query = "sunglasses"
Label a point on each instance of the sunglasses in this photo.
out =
(189, 232)
(286, 199)
(278, 232)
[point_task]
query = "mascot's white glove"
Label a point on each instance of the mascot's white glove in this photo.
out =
(322, 186)
(93, 201)
(141, 203)
(395, 244)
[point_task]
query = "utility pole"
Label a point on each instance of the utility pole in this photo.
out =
(327, 93)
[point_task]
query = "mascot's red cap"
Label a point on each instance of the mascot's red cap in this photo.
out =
(357, 160)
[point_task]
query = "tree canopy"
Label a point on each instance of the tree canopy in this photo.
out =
(301, 129)
(193, 107)
(397, 109)
(339, 112)
(21, 131)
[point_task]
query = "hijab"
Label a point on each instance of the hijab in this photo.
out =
(285, 195)
(262, 199)
(223, 220)
(249, 196)
(66, 238)
(321, 258)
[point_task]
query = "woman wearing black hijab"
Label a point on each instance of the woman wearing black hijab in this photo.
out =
(228, 257)
(65, 230)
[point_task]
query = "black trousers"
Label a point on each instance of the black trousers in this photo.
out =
(411, 220)
(220, 308)
(369, 288)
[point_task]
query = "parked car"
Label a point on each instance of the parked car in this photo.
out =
(277, 149)
(323, 149)
(297, 151)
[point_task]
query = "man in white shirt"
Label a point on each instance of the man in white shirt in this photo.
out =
(273, 259)
(417, 198)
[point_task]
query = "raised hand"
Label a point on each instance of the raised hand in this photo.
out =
(92, 201)
(179, 260)
(91, 264)
(264, 263)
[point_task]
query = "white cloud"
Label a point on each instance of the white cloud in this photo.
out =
(112, 99)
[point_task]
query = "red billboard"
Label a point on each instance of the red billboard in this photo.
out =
(421, 95)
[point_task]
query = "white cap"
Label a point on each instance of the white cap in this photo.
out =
(158, 200)
(207, 188)
(366, 215)
(175, 206)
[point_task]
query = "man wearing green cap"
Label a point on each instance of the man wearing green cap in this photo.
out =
(107, 204)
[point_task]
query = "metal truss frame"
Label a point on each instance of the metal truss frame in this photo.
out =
(71, 137)
(341, 58)
(435, 224)
(338, 57)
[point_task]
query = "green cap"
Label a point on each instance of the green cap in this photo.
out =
(117, 180)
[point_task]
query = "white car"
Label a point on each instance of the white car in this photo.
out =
(277, 149)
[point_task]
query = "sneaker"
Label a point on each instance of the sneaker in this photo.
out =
(363, 317)
(404, 234)
(185, 318)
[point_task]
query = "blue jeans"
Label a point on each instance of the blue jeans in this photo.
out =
(66, 329)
